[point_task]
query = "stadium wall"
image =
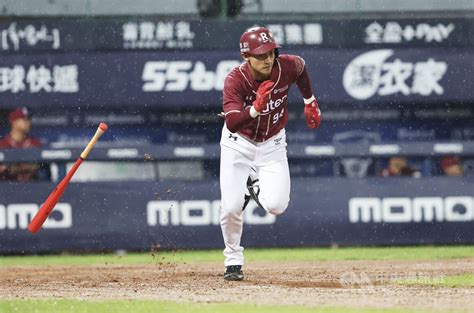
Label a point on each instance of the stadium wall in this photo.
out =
(177, 215)
(152, 71)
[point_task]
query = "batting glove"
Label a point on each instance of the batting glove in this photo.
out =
(262, 95)
(312, 113)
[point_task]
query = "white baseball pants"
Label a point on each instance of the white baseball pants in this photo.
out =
(238, 155)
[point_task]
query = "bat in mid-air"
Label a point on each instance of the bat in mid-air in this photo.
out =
(54, 197)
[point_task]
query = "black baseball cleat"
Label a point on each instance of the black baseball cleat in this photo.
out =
(251, 185)
(246, 201)
(234, 272)
(253, 188)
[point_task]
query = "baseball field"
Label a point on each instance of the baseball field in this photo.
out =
(388, 279)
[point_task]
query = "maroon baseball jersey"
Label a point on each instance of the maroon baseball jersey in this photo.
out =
(8, 142)
(240, 89)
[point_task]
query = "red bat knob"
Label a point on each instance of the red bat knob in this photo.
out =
(103, 126)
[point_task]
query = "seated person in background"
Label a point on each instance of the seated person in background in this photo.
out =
(18, 137)
(398, 166)
(451, 166)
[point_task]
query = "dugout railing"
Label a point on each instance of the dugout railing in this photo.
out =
(303, 158)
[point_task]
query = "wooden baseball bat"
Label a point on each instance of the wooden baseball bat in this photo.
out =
(54, 197)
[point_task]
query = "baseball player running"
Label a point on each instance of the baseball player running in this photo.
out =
(255, 105)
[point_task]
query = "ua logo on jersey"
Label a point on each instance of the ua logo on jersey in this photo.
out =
(232, 137)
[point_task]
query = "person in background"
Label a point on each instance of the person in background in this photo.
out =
(398, 166)
(451, 166)
(19, 138)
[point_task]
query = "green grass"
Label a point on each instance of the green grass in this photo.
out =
(73, 306)
(453, 281)
(280, 254)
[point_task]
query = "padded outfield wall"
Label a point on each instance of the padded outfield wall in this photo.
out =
(177, 215)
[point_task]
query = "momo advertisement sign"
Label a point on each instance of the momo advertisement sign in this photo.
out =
(185, 215)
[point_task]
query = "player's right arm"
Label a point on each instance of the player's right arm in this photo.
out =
(235, 114)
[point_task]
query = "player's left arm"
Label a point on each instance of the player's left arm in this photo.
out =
(312, 112)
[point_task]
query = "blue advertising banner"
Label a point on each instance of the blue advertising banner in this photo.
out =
(146, 79)
(406, 32)
(86, 34)
(322, 211)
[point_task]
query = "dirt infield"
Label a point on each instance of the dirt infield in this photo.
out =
(335, 283)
